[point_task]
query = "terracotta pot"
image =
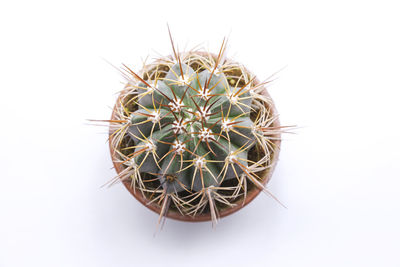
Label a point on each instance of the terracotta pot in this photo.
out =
(251, 194)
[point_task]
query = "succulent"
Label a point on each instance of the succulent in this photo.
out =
(191, 130)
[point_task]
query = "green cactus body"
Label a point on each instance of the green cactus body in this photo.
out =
(193, 128)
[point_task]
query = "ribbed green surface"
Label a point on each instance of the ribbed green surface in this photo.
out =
(209, 139)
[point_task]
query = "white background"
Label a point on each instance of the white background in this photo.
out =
(338, 175)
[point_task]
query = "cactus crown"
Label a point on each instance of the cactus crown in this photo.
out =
(183, 128)
(191, 129)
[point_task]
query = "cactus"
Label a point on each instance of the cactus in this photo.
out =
(191, 130)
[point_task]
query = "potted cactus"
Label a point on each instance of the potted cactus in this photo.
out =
(194, 136)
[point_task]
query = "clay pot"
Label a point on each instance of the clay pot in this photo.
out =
(251, 194)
